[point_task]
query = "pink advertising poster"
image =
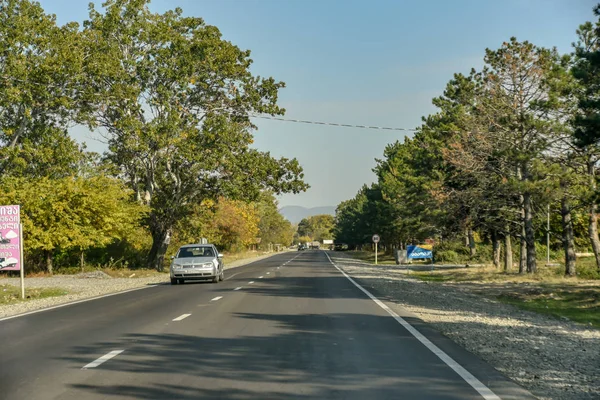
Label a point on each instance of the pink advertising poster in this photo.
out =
(10, 251)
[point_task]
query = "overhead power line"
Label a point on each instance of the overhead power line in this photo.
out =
(301, 121)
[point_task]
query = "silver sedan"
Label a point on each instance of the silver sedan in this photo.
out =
(197, 262)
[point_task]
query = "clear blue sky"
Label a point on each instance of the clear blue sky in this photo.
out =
(369, 62)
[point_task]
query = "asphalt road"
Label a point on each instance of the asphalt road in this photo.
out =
(288, 327)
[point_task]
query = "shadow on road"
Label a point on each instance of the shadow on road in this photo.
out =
(303, 356)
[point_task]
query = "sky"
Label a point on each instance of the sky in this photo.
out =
(369, 62)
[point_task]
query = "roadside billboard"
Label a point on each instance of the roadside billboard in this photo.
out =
(10, 238)
(420, 251)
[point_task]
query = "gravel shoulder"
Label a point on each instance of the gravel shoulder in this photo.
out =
(90, 285)
(554, 359)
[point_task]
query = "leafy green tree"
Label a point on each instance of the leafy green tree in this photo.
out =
(71, 214)
(273, 227)
(317, 227)
(40, 74)
(174, 99)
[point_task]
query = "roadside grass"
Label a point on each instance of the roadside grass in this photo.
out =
(12, 294)
(576, 304)
(369, 256)
(546, 292)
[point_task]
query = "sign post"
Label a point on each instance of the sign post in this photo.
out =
(376, 240)
(11, 242)
(22, 269)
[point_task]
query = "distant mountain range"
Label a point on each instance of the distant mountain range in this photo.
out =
(295, 214)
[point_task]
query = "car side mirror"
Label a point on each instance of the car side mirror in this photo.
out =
(220, 255)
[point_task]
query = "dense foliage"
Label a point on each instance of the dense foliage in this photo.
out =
(508, 144)
(172, 98)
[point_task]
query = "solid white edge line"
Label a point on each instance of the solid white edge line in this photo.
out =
(183, 316)
(103, 359)
(238, 288)
(74, 302)
(217, 298)
(475, 383)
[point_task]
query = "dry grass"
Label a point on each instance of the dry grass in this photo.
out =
(369, 256)
(137, 273)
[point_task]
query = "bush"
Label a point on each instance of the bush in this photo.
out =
(447, 256)
(586, 268)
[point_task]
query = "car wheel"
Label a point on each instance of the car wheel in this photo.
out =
(173, 281)
(222, 276)
(216, 279)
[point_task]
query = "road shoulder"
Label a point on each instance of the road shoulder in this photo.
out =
(553, 359)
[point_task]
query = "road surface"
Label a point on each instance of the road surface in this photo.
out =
(288, 327)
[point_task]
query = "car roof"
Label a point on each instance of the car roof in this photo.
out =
(197, 245)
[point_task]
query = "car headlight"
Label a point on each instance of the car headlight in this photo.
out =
(207, 265)
(176, 266)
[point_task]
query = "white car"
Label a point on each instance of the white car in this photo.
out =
(8, 262)
(197, 262)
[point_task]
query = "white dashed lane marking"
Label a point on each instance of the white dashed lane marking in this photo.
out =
(184, 316)
(251, 282)
(217, 298)
(103, 359)
(268, 273)
(237, 288)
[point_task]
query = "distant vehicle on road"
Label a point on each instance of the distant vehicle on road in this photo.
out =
(301, 247)
(315, 245)
(197, 262)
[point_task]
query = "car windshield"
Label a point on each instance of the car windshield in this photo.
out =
(200, 251)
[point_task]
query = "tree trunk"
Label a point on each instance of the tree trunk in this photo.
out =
(160, 244)
(529, 234)
(523, 252)
(467, 242)
(593, 234)
(471, 238)
(496, 248)
(593, 221)
(523, 249)
(508, 261)
(49, 267)
(568, 238)
(81, 260)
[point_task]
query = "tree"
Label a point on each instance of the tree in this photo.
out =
(273, 227)
(586, 70)
(513, 89)
(174, 99)
(71, 214)
(40, 73)
(317, 227)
